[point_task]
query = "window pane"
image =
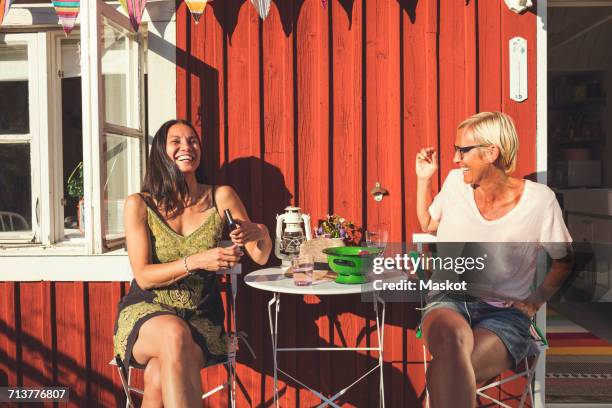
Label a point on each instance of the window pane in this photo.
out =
(72, 139)
(71, 58)
(14, 117)
(120, 75)
(122, 177)
(15, 187)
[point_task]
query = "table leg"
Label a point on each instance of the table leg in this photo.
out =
(380, 333)
(379, 311)
(275, 301)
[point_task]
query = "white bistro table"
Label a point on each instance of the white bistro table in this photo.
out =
(274, 280)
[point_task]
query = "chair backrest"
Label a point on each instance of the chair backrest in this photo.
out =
(11, 221)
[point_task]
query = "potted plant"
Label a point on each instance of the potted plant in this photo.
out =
(334, 226)
(74, 188)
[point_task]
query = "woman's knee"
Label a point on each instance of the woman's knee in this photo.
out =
(177, 340)
(448, 334)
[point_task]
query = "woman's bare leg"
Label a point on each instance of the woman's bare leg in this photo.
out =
(152, 397)
(450, 376)
(168, 338)
(490, 357)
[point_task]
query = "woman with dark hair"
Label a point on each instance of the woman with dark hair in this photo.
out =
(171, 321)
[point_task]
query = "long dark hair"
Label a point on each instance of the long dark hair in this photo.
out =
(163, 180)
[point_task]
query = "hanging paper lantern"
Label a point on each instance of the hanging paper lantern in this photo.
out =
(196, 7)
(67, 12)
(262, 7)
(5, 5)
(135, 10)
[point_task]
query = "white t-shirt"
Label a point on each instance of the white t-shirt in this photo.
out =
(536, 221)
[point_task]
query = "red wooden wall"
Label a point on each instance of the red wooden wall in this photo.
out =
(315, 105)
(310, 107)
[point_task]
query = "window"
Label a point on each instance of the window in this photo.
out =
(19, 136)
(123, 133)
(72, 142)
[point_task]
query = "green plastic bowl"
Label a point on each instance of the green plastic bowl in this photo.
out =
(349, 265)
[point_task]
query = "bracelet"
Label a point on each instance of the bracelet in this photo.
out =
(186, 268)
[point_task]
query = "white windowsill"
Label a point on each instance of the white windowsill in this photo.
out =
(63, 263)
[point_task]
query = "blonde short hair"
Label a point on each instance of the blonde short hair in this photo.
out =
(495, 128)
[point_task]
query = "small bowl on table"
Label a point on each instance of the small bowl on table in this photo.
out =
(352, 264)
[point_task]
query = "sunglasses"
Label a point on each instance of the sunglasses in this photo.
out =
(465, 149)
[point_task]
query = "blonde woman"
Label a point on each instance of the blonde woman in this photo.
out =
(473, 339)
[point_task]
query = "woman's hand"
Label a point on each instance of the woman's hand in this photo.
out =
(247, 232)
(527, 307)
(215, 259)
(426, 163)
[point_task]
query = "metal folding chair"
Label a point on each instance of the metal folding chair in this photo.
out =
(528, 369)
(234, 336)
(538, 345)
(530, 363)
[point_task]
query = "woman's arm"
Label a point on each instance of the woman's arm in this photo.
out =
(138, 243)
(426, 166)
(254, 237)
(555, 278)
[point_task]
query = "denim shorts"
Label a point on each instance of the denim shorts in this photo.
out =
(509, 324)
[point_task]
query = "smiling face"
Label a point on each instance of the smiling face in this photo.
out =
(475, 163)
(183, 148)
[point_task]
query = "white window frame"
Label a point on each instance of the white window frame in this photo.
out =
(45, 107)
(94, 125)
(35, 137)
(135, 95)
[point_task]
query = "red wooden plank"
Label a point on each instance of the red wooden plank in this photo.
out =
(384, 166)
(9, 336)
(279, 148)
(420, 129)
(471, 62)
(101, 329)
(432, 71)
(420, 101)
(312, 89)
(278, 137)
(72, 335)
(452, 79)
(489, 56)
(243, 169)
(312, 83)
(182, 57)
(206, 76)
(382, 90)
(523, 113)
(36, 345)
(118, 290)
(347, 160)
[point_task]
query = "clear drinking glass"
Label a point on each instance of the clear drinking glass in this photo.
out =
(376, 239)
(302, 267)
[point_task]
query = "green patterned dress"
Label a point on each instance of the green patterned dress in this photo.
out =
(196, 299)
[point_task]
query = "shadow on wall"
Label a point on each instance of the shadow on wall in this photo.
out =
(261, 187)
(64, 368)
